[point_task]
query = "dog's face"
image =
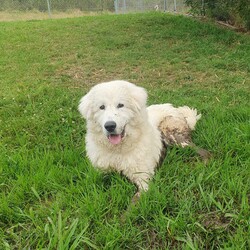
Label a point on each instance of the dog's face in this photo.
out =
(113, 108)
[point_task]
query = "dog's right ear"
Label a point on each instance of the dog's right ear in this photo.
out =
(84, 106)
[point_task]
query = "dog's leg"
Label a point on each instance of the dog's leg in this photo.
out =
(176, 131)
(203, 153)
(141, 181)
(136, 197)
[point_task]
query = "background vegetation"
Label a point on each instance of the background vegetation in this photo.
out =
(235, 12)
(51, 197)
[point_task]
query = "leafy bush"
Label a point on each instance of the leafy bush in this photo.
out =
(233, 12)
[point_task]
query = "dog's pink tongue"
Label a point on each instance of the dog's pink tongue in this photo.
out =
(115, 139)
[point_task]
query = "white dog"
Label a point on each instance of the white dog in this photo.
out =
(126, 136)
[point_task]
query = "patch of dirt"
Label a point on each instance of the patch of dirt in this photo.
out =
(215, 220)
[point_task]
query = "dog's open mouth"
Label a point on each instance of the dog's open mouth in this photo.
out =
(116, 138)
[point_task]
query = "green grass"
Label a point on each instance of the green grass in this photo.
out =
(50, 195)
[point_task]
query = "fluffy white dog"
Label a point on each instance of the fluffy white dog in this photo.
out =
(126, 136)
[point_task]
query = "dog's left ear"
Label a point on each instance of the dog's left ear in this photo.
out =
(84, 106)
(139, 95)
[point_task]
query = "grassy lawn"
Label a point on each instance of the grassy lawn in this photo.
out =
(50, 195)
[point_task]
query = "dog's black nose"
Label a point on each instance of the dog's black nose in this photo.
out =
(110, 126)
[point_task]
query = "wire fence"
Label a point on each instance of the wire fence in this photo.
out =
(57, 5)
(127, 6)
(52, 8)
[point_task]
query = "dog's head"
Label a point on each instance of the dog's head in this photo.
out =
(112, 108)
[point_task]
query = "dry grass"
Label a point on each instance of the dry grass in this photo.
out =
(8, 16)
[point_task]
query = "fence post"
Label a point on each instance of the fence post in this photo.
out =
(175, 6)
(49, 11)
(124, 6)
(202, 8)
(165, 5)
(116, 6)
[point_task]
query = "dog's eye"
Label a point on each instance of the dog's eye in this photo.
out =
(120, 105)
(102, 107)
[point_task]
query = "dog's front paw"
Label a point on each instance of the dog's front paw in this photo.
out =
(136, 197)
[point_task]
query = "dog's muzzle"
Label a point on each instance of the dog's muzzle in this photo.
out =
(113, 137)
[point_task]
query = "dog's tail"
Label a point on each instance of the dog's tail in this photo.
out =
(190, 115)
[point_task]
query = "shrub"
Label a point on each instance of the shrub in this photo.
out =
(233, 12)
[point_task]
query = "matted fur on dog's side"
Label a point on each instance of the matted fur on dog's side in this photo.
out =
(126, 136)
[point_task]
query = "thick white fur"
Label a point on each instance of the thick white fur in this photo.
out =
(158, 111)
(139, 151)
